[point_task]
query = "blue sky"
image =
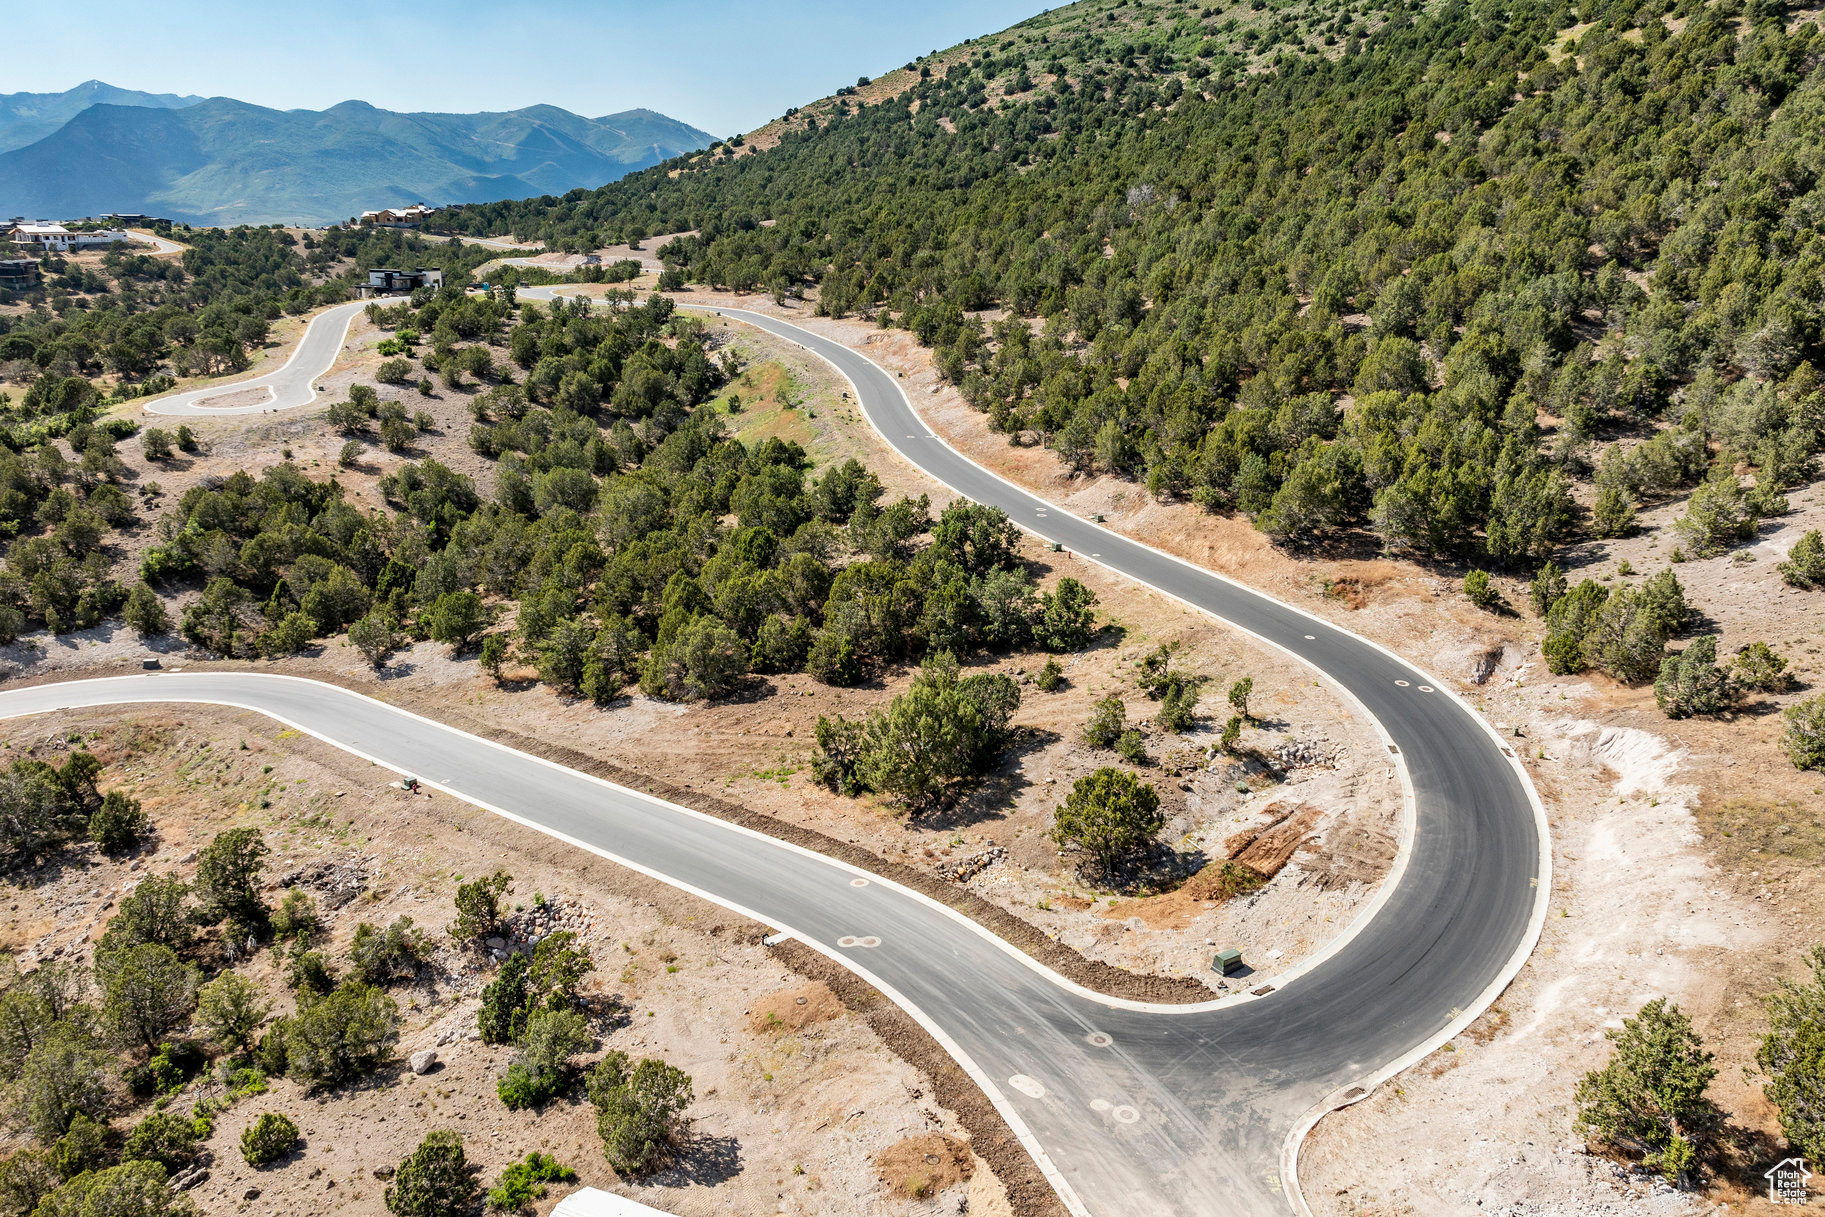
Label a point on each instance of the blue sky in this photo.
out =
(723, 65)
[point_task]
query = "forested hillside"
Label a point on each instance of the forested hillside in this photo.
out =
(1443, 272)
(141, 320)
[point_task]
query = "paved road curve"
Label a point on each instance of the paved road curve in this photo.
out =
(1129, 1109)
(1455, 924)
(291, 384)
(500, 243)
(161, 246)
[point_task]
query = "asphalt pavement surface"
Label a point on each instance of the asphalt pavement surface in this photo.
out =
(160, 245)
(291, 384)
(1129, 1109)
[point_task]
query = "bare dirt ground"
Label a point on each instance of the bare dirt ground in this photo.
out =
(1657, 887)
(1312, 775)
(792, 1111)
(645, 253)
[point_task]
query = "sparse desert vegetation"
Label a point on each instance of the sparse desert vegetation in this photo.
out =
(1492, 335)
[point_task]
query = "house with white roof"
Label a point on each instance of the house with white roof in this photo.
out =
(55, 238)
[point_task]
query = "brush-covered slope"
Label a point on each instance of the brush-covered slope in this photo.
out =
(1480, 278)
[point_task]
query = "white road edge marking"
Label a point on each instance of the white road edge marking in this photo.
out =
(1041, 1158)
(238, 386)
(1543, 831)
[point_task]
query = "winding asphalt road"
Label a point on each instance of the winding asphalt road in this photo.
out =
(291, 384)
(161, 246)
(1128, 1108)
(1231, 1091)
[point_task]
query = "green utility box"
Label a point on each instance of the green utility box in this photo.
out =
(1226, 961)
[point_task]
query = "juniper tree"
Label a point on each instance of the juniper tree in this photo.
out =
(1650, 1098)
(1792, 1058)
(1110, 814)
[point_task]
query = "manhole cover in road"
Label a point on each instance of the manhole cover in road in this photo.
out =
(1099, 1039)
(858, 883)
(1425, 688)
(1126, 1114)
(1401, 683)
(847, 940)
(1099, 1105)
(1028, 1086)
(851, 940)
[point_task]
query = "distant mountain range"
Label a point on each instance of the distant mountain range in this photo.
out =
(221, 161)
(26, 118)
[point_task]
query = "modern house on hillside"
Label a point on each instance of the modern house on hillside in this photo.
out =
(400, 217)
(18, 274)
(383, 282)
(55, 238)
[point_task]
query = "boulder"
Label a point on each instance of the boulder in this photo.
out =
(422, 1060)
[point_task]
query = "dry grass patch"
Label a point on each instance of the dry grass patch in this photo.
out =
(1761, 833)
(1348, 590)
(921, 1167)
(794, 1009)
(772, 406)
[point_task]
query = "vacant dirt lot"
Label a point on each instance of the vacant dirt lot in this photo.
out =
(791, 1111)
